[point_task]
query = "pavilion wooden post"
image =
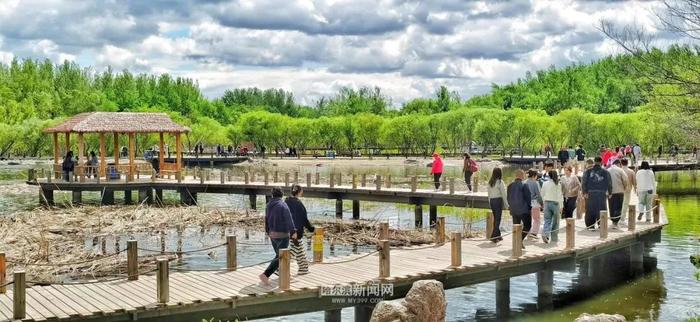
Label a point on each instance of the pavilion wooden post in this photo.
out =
(103, 152)
(178, 152)
(131, 157)
(81, 157)
(161, 152)
(56, 155)
(116, 152)
(67, 142)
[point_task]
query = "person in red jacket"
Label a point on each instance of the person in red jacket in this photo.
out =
(436, 170)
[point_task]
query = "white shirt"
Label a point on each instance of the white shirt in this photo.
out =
(646, 180)
(552, 192)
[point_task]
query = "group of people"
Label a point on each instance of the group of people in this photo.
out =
(545, 195)
(68, 166)
(468, 169)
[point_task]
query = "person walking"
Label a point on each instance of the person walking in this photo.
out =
(553, 197)
(571, 187)
(497, 201)
(279, 226)
(636, 153)
(470, 167)
(536, 202)
(563, 156)
(572, 154)
(301, 221)
(596, 186)
(68, 166)
(646, 188)
(436, 170)
(619, 186)
(92, 165)
(632, 180)
(519, 201)
(580, 158)
(661, 149)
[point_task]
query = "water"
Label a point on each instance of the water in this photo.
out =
(667, 291)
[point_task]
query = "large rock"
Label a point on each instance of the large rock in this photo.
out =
(425, 302)
(585, 317)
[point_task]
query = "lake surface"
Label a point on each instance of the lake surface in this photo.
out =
(668, 290)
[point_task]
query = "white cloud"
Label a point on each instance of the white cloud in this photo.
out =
(120, 58)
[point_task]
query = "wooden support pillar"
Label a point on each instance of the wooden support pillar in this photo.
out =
(178, 152)
(603, 221)
(267, 199)
(317, 179)
(657, 210)
(158, 197)
(317, 245)
(231, 260)
(128, 198)
(339, 208)
(332, 315)
(440, 231)
(161, 151)
(19, 295)
(388, 181)
(56, 157)
(475, 186)
(116, 151)
(363, 312)
(545, 287)
(246, 177)
(433, 216)
(253, 201)
(355, 209)
(636, 254)
(354, 181)
(384, 260)
(296, 177)
(517, 250)
(103, 155)
(331, 181)
(502, 298)
(378, 182)
(456, 249)
(80, 168)
(414, 184)
(67, 142)
(187, 197)
(632, 218)
(107, 197)
(3, 273)
(286, 179)
(363, 182)
(490, 221)
(77, 197)
(452, 185)
(285, 274)
(132, 259)
(132, 154)
(570, 233)
(163, 281)
(418, 216)
(384, 231)
(308, 179)
(46, 197)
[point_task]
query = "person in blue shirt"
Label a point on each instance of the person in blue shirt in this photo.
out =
(279, 226)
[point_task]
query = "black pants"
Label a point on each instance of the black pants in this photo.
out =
(497, 209)
(277, 244)
(468, 179)
(436, 178)
(524, 219)
(616, 201)
(569, 207)
(595, 203)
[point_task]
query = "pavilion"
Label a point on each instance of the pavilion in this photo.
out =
(117, 123)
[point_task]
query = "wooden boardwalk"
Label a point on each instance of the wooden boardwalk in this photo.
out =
(194, 295)
(658, 165)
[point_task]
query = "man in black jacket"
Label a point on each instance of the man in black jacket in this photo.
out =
(301, 221)
(596, 186)
(519, 199)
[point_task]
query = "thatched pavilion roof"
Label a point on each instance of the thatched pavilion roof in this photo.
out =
(121, 122)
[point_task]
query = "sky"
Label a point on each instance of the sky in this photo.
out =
(312, 48)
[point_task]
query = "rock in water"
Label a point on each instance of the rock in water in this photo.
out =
(585, 317)
(695, 260)
(425, 302)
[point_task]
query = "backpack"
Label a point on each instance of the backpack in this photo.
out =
(473, 167)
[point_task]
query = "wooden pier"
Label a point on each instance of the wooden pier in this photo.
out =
(657, 164)
(171, 294)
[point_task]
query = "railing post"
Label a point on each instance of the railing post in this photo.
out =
(603, 221)
(476, 184)
(440, 231)
(384, 261)
(208, 174)
(456, 241)
(317, 179)
(284, 270)
(317, 243)
(231, 260)
(19, 295)
(246, 177)
(443, 184)
(340, 179)
(222, 176)
(388, 181)
(570, 233)
(266, 178)
(252, 176)
(132, 259)
(229, 174)
(308, 179)
(162, 281)
(517, 240)
(201, 176)
(384, 231)
(632, 218)
(3, 273)
(378, 182)
(363, 181)
(331, 180)
(286, 179)
(296, 177)
(452, 185)
(275, 177)
(414, 184)
(354, 181)
(489, 224)
(657, 210)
